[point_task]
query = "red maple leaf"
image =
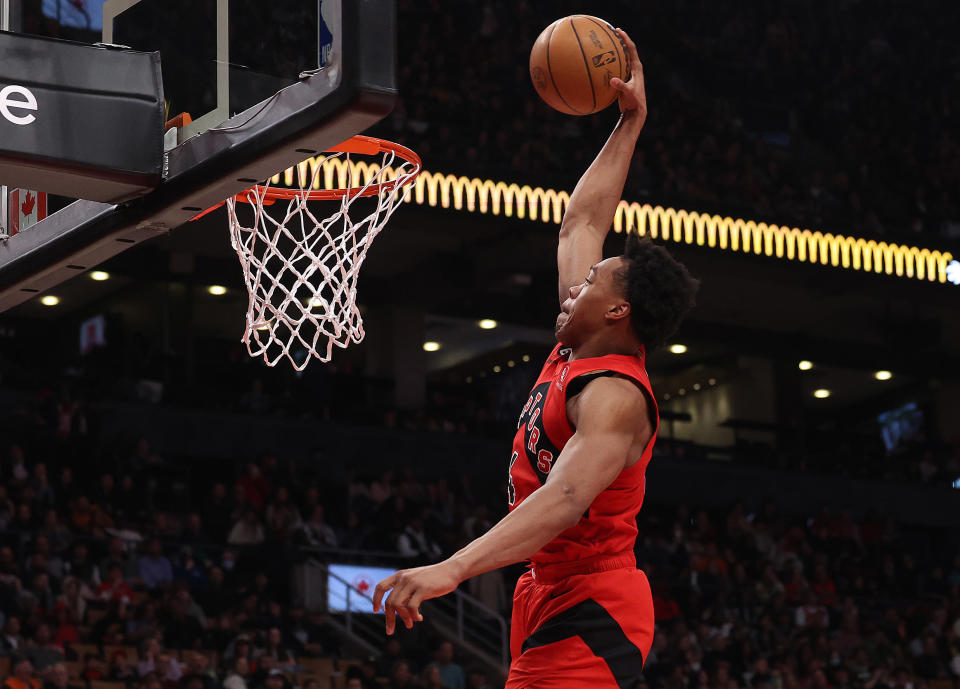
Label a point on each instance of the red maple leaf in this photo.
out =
(363, 586)
(27, 206)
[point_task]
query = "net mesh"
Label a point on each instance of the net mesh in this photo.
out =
(301, 267)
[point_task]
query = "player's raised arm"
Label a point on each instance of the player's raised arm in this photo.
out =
(594, 200)
(614, 415)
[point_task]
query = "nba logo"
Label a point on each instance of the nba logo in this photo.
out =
(563, 376)
(326, 36)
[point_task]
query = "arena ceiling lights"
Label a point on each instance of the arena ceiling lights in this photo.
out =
(475, 195)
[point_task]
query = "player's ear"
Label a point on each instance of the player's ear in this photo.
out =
(618, 311)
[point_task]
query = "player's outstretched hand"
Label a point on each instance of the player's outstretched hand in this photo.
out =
(410, 588)
(633, 92)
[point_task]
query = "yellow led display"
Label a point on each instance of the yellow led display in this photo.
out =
(476, 195)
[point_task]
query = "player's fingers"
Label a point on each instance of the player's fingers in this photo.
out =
(392, 604)
(631, 47)
(406, 616)
(414, 606)
(634, 66)
(618, 84)
(381, 589)
(391, 613)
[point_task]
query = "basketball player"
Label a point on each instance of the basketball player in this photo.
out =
(583, 613)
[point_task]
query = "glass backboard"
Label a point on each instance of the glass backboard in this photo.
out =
(250, 88)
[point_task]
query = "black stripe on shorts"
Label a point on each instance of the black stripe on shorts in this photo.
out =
(600, 632)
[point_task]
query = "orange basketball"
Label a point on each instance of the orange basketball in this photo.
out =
(573, 61)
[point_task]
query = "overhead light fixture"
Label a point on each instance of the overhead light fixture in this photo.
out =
(49, 300)
(511, 363)
(678, 349)
(497, 368)
(805, 365)
(469, 379)
(821, 394)
(99, 275)
(682, 392)
(883, 375)
(217, 290)
(666, 396)
(487, 324)
(712, 381)
(525, 358)
(431, 346)
(696, 386)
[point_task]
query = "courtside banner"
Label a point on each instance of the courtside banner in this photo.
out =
(79, 120)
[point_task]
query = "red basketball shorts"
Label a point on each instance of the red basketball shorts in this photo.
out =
(581, 624)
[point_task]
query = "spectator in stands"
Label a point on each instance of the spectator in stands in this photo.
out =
(415, 543)
(400, 676)
(42, 651)
(57, 677)
(198, 674)
(478, 679)
(180, 629)
(67, 631)
(114, 588)
(156, 571)
(450, 672)
(81, 567)
(120, 669)
(92, 668)
(11, 641)
(169, 669)
(276, 680)
(149, 651)
(151, 681)
(432, 678)
(117, 554)
(283, 517)
(274, 648)
(254, 486)
(143, 456)
(23, 676)
(317, 531)
(316, 633)
(366, 674)
(247, 531)
(237, 679)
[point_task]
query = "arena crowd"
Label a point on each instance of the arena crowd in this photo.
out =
(146, 570)
(839, 116)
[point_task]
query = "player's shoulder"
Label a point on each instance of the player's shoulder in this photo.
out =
(609, 399)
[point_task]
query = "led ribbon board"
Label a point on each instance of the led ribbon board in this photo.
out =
(485, 196)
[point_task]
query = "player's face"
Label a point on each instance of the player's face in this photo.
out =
(585, 311)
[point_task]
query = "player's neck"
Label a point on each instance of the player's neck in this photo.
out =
(602, 345)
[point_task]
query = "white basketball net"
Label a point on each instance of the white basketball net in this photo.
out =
(301, 270)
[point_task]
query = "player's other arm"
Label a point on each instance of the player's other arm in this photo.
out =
(607, 426)
(594, 200)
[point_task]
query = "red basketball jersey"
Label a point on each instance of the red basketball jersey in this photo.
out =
(610, 525)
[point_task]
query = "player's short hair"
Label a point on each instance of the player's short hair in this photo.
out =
(659, 288)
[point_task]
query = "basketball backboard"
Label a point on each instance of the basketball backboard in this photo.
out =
(250, 86)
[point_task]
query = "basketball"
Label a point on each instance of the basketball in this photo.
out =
(573, 61)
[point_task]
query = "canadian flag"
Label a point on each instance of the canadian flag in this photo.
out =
(26, 208)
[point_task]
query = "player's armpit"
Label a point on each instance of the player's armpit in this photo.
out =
(611, 420)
